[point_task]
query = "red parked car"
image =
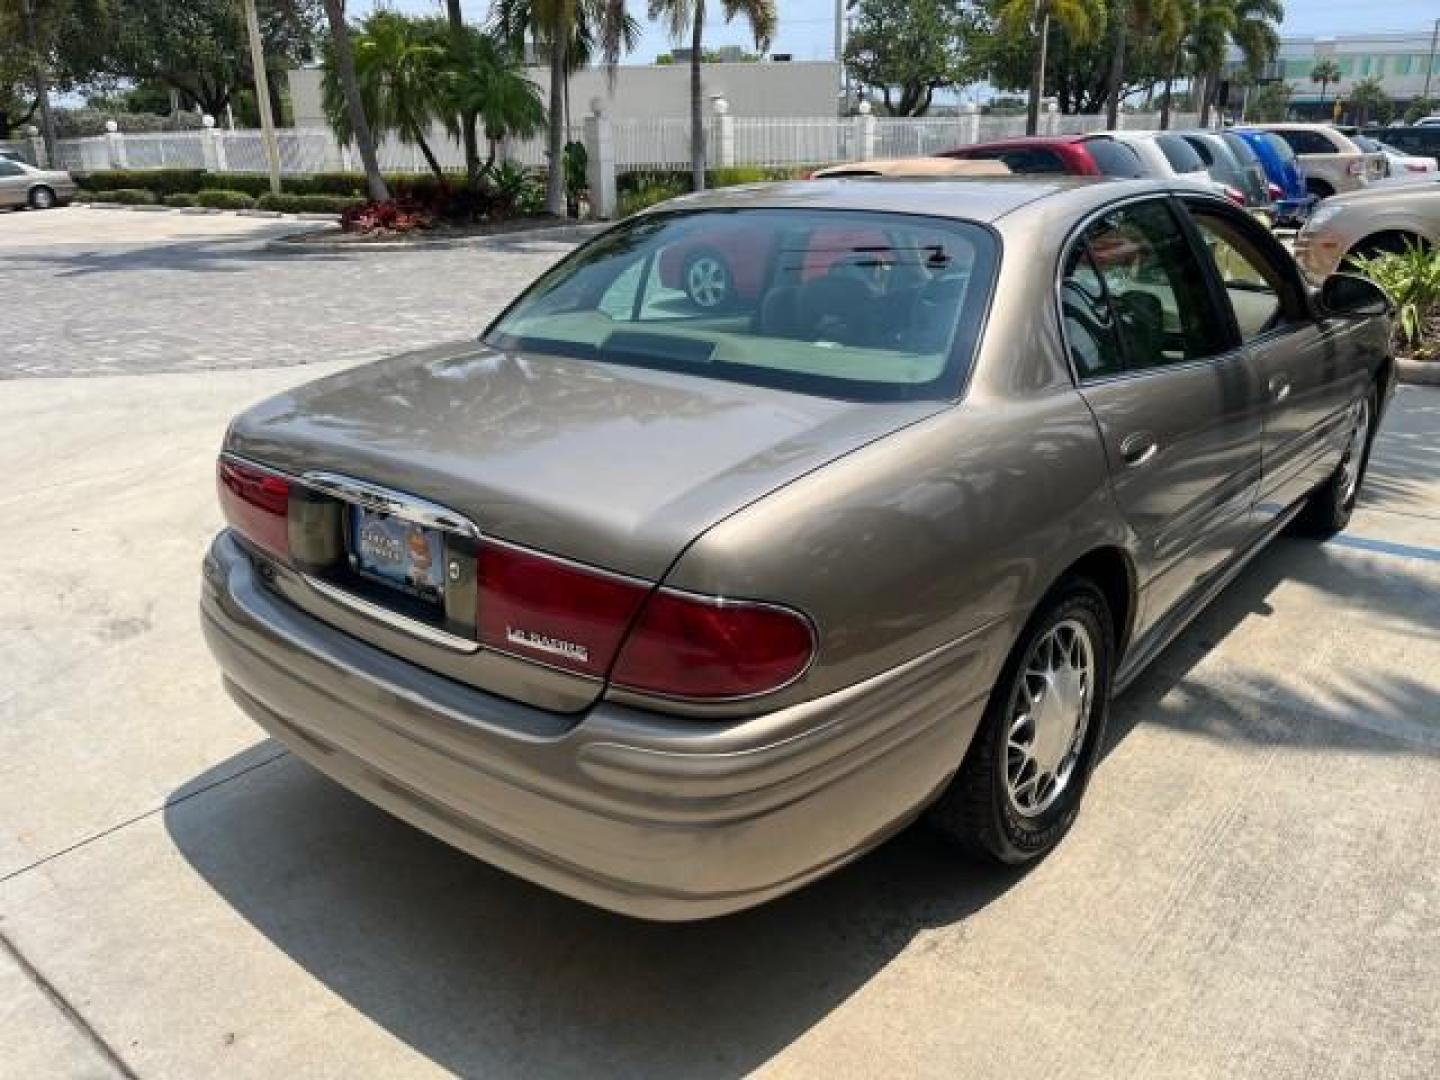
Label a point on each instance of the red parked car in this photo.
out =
(1076, 155)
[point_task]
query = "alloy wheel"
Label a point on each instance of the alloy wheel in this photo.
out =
(1048, 716)
(707, 281)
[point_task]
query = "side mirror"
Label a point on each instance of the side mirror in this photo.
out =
(1349, 296)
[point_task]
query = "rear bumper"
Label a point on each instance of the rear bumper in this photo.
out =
(633, 811)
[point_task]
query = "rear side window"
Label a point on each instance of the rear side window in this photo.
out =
(1308, 142)
(1090, 331)
(1159, 298)
(9, 168)
(1198, 145)
(1113, 158)
(1180, 154)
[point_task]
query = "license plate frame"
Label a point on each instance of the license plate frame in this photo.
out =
(397, 554)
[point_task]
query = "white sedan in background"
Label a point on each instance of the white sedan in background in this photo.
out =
(39, 189)
(1401, 164)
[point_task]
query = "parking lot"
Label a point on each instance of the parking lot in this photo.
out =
(1253, 888)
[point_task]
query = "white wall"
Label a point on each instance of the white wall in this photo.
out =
(800, 88)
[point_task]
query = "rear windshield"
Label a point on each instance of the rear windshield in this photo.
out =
(851, 304)
(1280, 146)
(1240, 148)
(1113, 158)
(1180, 154)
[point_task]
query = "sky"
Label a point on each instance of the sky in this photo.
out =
(807, 27)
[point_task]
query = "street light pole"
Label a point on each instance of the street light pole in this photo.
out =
(1430, 66)
(262, 95)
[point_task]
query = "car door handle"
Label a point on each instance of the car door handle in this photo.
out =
(1138, 448)
(1279, 387)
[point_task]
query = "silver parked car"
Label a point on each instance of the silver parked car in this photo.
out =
(25, 185)
(1385, 217)
(674, 607)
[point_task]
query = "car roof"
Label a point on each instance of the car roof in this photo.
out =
(981, 200)
(1020, 142)
(916, 166)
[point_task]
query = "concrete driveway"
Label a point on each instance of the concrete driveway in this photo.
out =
(1252, 890)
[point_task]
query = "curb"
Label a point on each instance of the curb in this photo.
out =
(150, 208)
(1418, 372)
(300, 245)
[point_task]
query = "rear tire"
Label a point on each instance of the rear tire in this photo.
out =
(1328, 509)
(41, 197)
(1019, 789)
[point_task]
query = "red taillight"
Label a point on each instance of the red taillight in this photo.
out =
(1276, 191)
(1235, 195)
(671, 643)
(555, 612)
(256, 503)
(702, 647)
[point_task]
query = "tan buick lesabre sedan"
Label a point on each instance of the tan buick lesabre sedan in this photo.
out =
(676, 602)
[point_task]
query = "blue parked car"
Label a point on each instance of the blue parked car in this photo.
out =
(1292, 203)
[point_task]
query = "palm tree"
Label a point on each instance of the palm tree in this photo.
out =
(1079, 20)
(456, 19)
(1161, 19)
(1325, 72)
(682, 17)
(1250, 25)
(488, 85)
(400, 71)
(356, 122)
(554, 27)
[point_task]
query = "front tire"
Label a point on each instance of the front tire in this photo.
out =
(1329, 507)
(41, 197)
(1019, 789)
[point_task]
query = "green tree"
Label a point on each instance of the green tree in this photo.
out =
(401, 68)
(1421, 106)
(687, 17)
(1370, 102)
(1271, 102)
(1079, 22)
(1160, 20)
(907, 49)
(341, 56)
(567, 33)
(48, 46)
(1249, 25)
(1324, 73)
(200, 48)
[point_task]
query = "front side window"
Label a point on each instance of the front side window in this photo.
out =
(1163, 310)
(1253, 283)
(1307, 142)
(852, 304)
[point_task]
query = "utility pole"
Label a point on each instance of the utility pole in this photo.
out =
(1041, 26)
(42, 84)
(262, 95)
(1430, 67)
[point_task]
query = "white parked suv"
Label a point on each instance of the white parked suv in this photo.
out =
(1168, 154)
(1332, 163)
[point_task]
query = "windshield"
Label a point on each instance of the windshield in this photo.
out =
(840, 303)
(1240, 148)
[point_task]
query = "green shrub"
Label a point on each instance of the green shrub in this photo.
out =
(126, 196)
(160, 181)
(1412, 279)
(183, 198)
(225, 199)
(632, 202)
(308, 204)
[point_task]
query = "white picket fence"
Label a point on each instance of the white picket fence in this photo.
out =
(652, 143)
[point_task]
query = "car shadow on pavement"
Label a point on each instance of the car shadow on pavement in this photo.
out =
(486, 974)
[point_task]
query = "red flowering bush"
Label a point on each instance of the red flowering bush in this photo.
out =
(398, 215)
